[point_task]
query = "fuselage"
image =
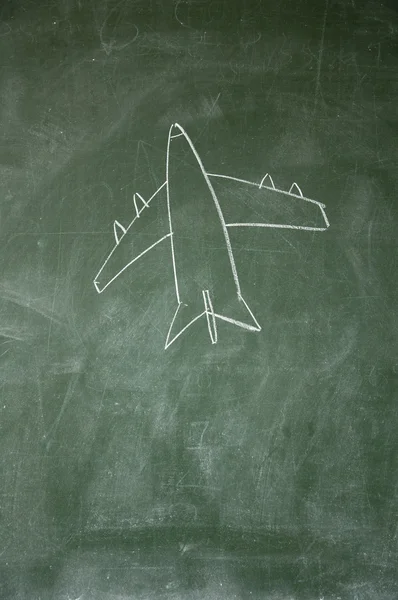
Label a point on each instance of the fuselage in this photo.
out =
(201, 250)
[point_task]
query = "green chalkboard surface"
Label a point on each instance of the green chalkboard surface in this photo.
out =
(198, 300)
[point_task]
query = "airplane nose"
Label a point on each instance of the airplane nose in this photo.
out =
(176, 130)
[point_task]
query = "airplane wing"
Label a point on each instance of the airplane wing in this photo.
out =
(248, 204)
(151, 227)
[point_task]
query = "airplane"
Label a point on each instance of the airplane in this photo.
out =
(193, 212)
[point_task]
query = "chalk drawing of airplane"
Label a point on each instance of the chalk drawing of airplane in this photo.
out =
(197, 227)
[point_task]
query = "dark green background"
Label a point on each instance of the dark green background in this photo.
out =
(262, 467)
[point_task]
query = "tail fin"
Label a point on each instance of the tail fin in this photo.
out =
(238, 313)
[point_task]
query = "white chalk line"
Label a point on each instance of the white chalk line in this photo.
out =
(131, 262)
(119, 239)
(169, 343)
(142, 199)
(218, 208)
(267, 187)
(116, 227)
(169, 215)
(277, 226)
(267, 176)
(322, 207)
(137, 210)
(250, 312)
(211, 321)
(211, 315)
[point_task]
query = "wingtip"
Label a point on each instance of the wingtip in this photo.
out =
(176, 130)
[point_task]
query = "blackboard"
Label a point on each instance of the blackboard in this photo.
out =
(218, 419)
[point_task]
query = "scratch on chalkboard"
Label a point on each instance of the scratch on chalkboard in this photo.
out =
(194, 264)
(320, 56)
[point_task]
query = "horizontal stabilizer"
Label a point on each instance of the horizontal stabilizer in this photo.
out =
(237, 313)
(184, 316)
